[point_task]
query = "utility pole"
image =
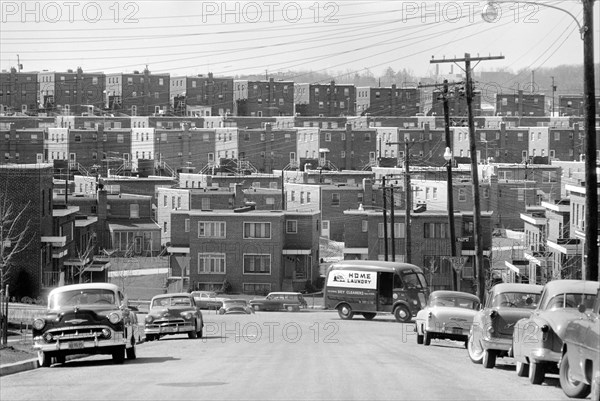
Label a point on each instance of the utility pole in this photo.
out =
(407, 188)
(385, 233)
(449, 191)
(553, 90)
(392, 229)
(474, 172)
(591, 177)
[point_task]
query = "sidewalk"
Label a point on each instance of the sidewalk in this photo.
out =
(19, 366)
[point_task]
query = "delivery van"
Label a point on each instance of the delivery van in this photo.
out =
(368, 287)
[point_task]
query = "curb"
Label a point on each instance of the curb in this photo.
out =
(17, 367)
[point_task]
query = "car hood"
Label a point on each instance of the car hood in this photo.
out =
(95, 311)
(170, 311)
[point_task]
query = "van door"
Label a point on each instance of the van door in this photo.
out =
(385, 293)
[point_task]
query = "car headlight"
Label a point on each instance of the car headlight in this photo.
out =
(149, 319)
(114, 318)
(187, 315)
(39, 324)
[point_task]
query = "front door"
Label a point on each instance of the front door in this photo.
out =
(325, 229)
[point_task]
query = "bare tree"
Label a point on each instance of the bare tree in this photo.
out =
(14, 234)
(124, 266)
(85, 257)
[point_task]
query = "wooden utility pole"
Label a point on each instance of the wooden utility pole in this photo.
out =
(408, 205)
(392, 229)
(474, 172)
(591, 177)
(385, 232)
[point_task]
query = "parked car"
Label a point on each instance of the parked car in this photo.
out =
(207, 299)
(538, 339)
(173, 314)
(448, 314)
(579, 366)
(85, 319)
(232, 306)
(290, 301)
(491, 334)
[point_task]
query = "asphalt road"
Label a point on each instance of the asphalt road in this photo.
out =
(284, 356)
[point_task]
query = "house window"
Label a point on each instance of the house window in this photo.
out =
(399, 230)
(205, 203)
(335, 199)
(211, 229)
(291, 226)
(365, 226)
(134, 211)
(435, 230)
(257, 264)
(257, 230)
(328, 137)
(165, 201)
(462, 195)
(186, 225)
(211, 263)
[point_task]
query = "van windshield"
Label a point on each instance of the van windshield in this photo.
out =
(414, 280)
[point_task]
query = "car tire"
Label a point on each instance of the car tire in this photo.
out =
(256, 307)
(118, 355)
(290, 308)
(200, 332)
(44, 359)
(150, 337)
(61, 358)
(419, 336)
(572, 388)
(345, 312)
(369, 315)
(475, 350)
(131, 355)
(426, 338)
(537, 372)
(194, 333)
(522, 369)
(489, 358)
(402, 314)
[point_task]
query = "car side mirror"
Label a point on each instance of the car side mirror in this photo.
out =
(581, 308)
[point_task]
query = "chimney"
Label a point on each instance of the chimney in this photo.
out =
(210, 75)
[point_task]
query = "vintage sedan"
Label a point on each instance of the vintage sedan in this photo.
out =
(85, 319)
(207, 299)
(173, 314)
(448, 315)
(538, 339)
(492, 330)
(290, 301)
(235, 306)
(579, 366)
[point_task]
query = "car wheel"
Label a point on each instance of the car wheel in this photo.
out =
(194, 333)
(426, 338)
(345, 312)
(522, 369)
(256, 307)
(118, 355)
(474, 349)
(537, 372)
(61, 358)
(44, 359)
(572, 388)
(200, 332)
(369, 315)
(402, 314)
(419, 336)
(290, 308)
(131, 351)
(489, 358)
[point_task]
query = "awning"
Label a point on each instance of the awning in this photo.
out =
(178, 249)
(98, 268)
(297, 252)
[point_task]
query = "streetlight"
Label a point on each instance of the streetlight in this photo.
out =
(450, 196)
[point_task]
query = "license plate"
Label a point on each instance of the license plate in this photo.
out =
(169, 329)
(76, 345)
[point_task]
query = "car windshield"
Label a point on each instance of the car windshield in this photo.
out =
(568, 300)
(82, 297)
(457, 302)
(173, 301)
(414, 280)
(517, 300)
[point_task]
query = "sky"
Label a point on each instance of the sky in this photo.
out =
(232, 38)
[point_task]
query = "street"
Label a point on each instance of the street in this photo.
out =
(281, 355)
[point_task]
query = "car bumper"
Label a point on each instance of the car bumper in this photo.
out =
(169, 328)
(544, 355)
(79, 345)
(500, 344)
